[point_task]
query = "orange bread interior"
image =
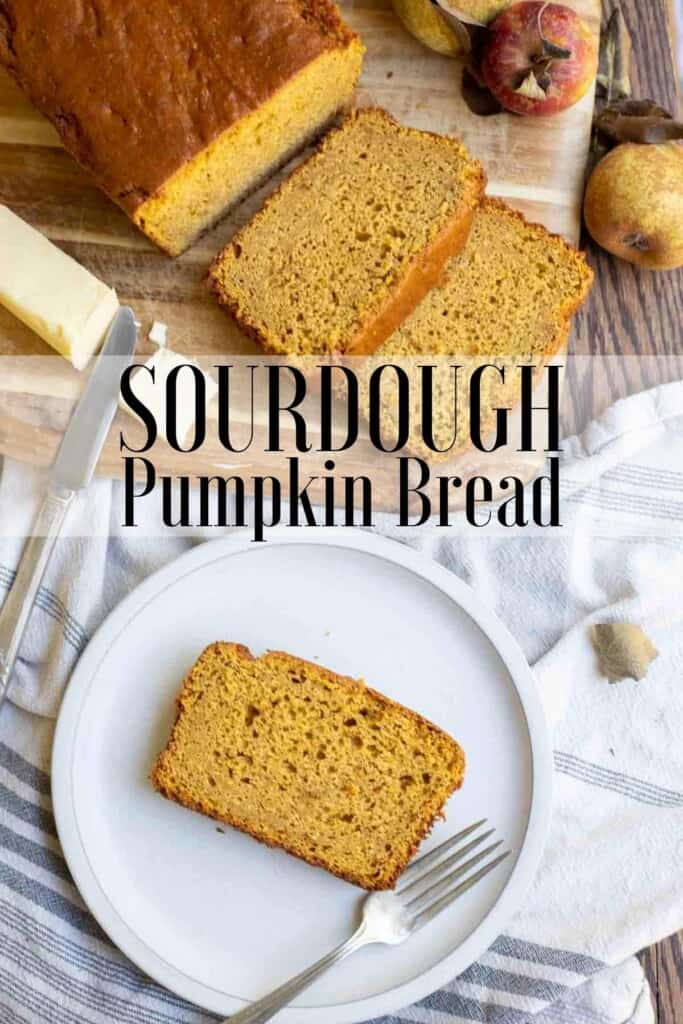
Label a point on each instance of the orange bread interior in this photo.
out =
(252, 149)
(352, 241)
(307, 760)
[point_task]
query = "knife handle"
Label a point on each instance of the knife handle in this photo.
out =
(18, 605)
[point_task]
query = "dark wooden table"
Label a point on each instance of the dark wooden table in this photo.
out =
(633, 312)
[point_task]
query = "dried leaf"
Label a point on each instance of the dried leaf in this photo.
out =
(478, 98)
(531, 88)
(614, 70)
(623, 650)
(641, 121)
(639, 108)
(475, 92)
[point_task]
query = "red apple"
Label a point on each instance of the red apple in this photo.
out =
(539, 58)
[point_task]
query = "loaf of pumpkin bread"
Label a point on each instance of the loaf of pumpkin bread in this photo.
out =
(178, 109)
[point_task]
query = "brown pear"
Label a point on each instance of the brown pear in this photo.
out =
(634, 204)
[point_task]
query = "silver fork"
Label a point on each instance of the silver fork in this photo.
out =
(425, 888)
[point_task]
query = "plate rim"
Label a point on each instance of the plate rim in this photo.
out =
(538, 822)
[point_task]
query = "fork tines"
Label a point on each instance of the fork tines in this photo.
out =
(431, 883)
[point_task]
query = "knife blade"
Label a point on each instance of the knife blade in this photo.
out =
(88, 427)
(72, 471)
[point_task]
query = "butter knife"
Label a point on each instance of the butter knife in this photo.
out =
(72, 471)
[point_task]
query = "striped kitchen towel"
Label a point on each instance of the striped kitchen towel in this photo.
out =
(608, 884)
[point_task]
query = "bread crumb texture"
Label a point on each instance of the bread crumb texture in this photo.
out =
(307, 760)
(334, 245)
(507, 299)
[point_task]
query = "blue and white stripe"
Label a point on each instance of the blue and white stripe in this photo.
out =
(48, 602)
(57, 966)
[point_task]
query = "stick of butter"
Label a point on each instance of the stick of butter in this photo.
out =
(53, 294)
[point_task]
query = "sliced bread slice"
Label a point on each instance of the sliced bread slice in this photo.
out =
(307, 760)
(352, 241)
(507, 299)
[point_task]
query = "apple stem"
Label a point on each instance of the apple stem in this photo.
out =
(536, 76)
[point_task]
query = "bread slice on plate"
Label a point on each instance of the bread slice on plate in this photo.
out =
(180, 109)
(352, 241)
(305, 759)
(507, 299)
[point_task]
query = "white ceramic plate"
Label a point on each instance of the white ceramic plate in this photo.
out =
(217, 917)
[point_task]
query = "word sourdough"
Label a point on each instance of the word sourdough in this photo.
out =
(303, 416)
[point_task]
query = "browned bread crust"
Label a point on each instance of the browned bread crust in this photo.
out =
(137, 90)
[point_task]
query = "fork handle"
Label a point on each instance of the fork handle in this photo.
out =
(265, 1009)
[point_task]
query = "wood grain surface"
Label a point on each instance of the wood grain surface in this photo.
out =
(631, 327)
(632, 311)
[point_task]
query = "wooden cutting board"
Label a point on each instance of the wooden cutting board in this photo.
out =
(537, 165)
